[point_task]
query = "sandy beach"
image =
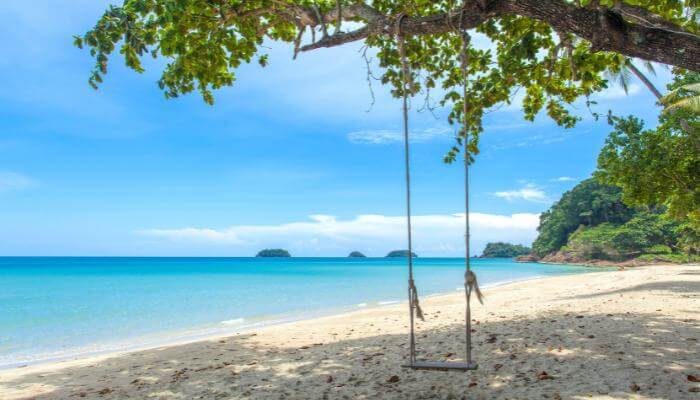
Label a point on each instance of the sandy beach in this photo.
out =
(628, 334)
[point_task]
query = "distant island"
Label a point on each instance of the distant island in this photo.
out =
(504, 250)
(273, 253)
(400, 253)
(356, 254)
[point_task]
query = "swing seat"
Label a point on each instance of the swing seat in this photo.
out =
(441, 366)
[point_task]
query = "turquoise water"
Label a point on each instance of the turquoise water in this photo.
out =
(55, 308)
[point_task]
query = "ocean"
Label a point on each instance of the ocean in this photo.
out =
(54, 308)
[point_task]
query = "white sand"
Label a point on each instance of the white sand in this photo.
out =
(629, 334)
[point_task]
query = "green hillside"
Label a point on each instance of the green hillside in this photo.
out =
(591, 222)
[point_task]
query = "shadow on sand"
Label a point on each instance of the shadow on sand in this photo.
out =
(686, 288)
(644, 354)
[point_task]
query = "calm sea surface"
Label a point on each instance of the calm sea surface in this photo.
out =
(56, 308)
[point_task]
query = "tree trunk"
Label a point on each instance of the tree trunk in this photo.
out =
(639, 74)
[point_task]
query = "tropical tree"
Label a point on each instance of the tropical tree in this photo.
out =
(685, 96)
(554, 51)
(646, 232)
(621, 73)
(589, 203)
(659, 166)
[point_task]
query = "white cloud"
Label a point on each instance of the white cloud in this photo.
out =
(383, 136)
(435, 234)
(554, 136)
(13, 181)
(528, 193)
(563, 179)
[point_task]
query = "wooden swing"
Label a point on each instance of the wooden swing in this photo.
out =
(470, 283)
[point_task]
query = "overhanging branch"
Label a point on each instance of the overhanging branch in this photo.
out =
(628, 30)
(338, 38)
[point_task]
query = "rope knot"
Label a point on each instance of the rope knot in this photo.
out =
(471, 284)
(415, 304)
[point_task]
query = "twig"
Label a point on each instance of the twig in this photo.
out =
(339, 19)
(297, 41)
(370, 76)
(319, 17)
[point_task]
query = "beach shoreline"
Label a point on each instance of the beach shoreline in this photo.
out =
(271, 322)
(59, 308)
(599, 335)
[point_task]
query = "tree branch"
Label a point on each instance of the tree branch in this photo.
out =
(338, 38)
(645, 17)
(608, 31)
(628, 30)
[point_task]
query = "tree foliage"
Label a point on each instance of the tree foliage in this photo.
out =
(553, 51)
(592, 221)
(658, 166)
(645, 233)
(686, 97)
(588, 204)
(504, 250)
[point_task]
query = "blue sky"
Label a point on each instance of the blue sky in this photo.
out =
(288, 157)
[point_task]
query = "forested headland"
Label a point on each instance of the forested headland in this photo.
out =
(643, 202)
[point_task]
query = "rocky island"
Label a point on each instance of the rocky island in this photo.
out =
(400, 253)
(273, 253)
(356, 254)
(504, 250)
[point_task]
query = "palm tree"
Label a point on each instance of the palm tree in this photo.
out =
(627, 68)
(675, 99)
(686, 97)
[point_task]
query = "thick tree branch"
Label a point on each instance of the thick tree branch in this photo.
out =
(628, 30)
(338, 38)
(645, 17)
(608, 31)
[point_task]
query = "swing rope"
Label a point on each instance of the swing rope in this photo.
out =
(468, 274)
(470, 281)
(413, 302)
